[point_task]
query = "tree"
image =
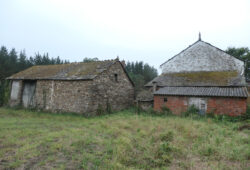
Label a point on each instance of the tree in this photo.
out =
(140, 74)
(86, 59)
(13, 62)
(243, 54)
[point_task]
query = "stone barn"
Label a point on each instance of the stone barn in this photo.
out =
(204, 76)
(74, 87)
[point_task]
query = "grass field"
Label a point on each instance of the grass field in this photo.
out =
(36, 140)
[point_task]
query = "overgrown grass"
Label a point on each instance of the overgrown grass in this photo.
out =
(32, 140)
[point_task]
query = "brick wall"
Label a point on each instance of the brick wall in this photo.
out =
(176, 104)
(229, 106)
(217, 105)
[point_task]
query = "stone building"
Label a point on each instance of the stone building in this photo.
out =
(204, 76)
(74, 87)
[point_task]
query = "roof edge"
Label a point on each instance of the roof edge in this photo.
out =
(193, 45)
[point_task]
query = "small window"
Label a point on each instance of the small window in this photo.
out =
(165, 99)
(116, 77)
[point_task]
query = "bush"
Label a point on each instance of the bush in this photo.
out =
(191, 111)
(152, 111)
(4, 92)
(246, 116)
(165, 111)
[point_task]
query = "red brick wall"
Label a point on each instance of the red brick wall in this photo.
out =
(228, 106)
(217, 105)
(176, 104)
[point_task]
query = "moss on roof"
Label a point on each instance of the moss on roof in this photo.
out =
(65, 71)
(221, 77)
(202, 78)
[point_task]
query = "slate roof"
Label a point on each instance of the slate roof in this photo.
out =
(201, 64)
(207, 55)
(204, 91)
(72, 71)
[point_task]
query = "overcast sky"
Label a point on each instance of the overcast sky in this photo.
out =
(136, 30)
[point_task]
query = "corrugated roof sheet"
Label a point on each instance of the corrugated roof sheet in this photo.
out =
(204, 91)
(72, 71)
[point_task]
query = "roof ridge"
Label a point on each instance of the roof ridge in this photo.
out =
(193, 45)
(181, 52)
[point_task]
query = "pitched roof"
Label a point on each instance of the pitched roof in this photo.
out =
(201, 64)
(72, 71)
(215, 78)
(204, 91)
(205, 50)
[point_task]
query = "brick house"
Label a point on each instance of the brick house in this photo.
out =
(204, 76)
(74, 87)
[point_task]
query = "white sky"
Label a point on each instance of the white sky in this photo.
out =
(137, 30)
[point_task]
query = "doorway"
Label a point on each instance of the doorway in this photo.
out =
(28, 96)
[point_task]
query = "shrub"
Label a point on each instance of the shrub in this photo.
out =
(151, 111)
(246, 116)
(191, 111)
(165, 111)
(4, 92)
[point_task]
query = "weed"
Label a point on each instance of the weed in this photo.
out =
(100, 110)
(124, 140)
(192, 110)
(165, 111)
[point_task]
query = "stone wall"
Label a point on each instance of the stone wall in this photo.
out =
(217, 105)
(111, 87)
(64, 96)
(118, 93)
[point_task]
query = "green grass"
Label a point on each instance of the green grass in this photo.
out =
(32, 140)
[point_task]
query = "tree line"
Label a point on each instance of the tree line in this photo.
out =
(140, 73)
(243, 54)
(12, 62)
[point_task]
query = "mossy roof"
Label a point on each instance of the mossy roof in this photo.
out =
(72, 71)
(202, 78)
